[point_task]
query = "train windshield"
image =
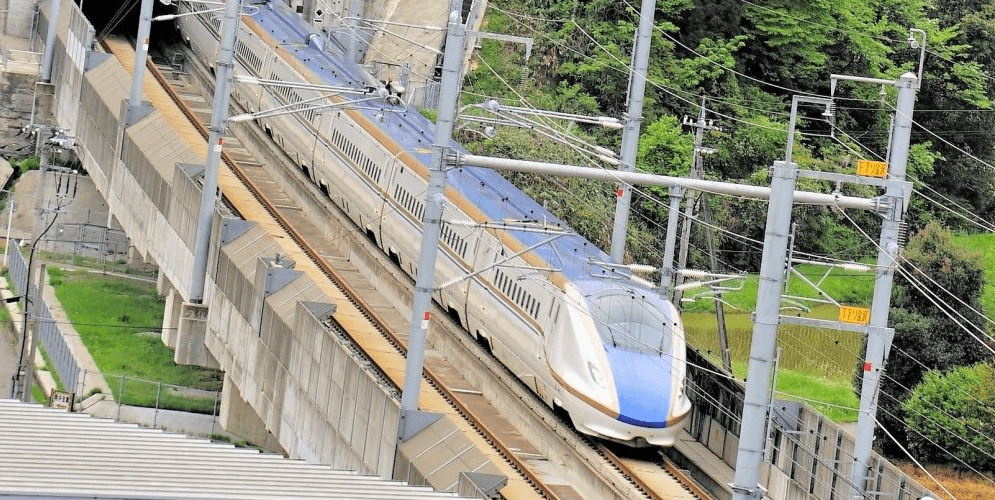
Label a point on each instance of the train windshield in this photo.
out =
(633, 322)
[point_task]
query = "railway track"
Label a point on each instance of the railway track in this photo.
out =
(531, 438)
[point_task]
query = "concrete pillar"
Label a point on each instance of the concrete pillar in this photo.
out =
(42, 106)
(190, 336)
(171, 318)
(135, 256)
(238, 417)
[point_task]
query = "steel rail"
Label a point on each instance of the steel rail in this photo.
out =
(381, 326)
(378, 323)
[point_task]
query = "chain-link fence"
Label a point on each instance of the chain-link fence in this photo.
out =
(156, 396)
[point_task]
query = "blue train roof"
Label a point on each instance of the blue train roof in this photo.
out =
(494, 195)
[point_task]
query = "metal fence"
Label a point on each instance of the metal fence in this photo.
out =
(92, 240)
(148, 402)
(808, 456)
(47, 330)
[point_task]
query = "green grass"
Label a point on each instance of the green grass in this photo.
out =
(5, 318)
(829, 353)
(142, 392)
(985, 245)
(815, 364)
(39, 396)
(847, 287)
(118, 320)
(837, 395)
(834, 398)
(118, 266)
(50, 368)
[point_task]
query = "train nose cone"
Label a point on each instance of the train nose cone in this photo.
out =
(643, 385)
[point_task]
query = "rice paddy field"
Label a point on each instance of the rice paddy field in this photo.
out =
(815, 364)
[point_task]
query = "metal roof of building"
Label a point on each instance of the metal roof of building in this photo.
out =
(51, 453)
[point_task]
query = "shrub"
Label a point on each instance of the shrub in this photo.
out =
(951, 416)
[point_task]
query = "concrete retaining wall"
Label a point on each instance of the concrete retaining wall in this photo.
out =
(18, 17)
(306, 387)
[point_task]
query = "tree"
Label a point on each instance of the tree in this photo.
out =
(925, 337)
(951, 416)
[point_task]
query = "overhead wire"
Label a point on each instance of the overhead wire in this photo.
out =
(929, 295)
(961, 420)
(880, 391)
(689, 103)
(906, 451)
(952, 433)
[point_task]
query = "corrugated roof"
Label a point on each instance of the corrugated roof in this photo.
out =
(48, 452)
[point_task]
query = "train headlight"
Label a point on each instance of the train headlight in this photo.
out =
(596, 375)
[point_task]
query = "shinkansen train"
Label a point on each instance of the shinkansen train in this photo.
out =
(585, 336)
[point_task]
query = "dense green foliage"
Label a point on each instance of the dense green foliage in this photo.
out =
(925, 338)
(747, 59)
(951, 416)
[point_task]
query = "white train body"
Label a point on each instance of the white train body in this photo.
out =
(583, 336)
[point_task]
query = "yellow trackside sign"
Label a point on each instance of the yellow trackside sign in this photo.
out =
(870, 168)
(855, 315)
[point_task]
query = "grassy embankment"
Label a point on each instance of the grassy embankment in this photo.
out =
(118, 320)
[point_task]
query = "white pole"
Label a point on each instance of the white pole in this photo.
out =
(644, 179)
(634, 118)
(434, 195)
(219, 120)
(878, 343)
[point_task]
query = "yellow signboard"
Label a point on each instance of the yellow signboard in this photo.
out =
(855, 315)
(870, 168)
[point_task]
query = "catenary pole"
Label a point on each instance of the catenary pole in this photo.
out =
(138, 71)
(633, 120)
(49, 54)
(434, 197)
(753, 437)
(356, 13)
(878, 344)
(667, 269)
(219, 120)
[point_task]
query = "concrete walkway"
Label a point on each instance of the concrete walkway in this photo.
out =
(170, 420)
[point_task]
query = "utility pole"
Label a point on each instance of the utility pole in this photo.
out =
(219, 120)
(880, 337)
(633, 120)
(29, 371)
(412, 421)
(10, 218)
(20, 385)
(720, 314)
(696, 172)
